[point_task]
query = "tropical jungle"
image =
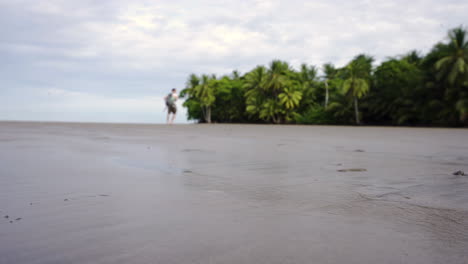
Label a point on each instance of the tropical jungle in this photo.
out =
(413, 89)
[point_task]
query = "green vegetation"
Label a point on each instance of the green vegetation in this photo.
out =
(430, 90)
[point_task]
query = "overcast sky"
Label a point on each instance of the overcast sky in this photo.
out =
(114, 60)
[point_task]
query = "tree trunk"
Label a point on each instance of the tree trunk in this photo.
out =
(275, 120)
(356, 111)
(203, 113)
(208, 114)
(326, 93)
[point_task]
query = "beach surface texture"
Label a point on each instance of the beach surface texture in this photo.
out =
(118, 193)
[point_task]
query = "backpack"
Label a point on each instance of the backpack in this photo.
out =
(170, 101)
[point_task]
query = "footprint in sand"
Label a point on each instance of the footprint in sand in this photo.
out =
(11, 221)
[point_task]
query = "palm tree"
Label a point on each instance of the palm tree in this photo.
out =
(256, 79)
(454, 65)
(330, 73)
(271, 111)
(308, 74)
(452, 68)
(282, 96)
(255, 83)
(413, 57)
(305, 81)
(191, 102)
(263, 89)
(356, 85)
(290, 98)
(278, 76)
(192, 82)
(204, 92)
(235, 74)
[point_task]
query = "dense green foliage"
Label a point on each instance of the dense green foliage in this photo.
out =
(406, 90)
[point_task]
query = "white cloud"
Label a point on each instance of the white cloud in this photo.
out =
(159, 35)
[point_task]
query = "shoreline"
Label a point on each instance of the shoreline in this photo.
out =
(221, 124)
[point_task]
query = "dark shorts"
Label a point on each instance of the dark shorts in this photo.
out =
(171, 108)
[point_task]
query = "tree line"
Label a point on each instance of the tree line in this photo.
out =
(411, 89)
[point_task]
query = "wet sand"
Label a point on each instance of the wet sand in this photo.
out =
(110, 193)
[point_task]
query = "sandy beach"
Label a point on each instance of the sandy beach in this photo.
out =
(117, 193)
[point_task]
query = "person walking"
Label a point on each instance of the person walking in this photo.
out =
(171, 99)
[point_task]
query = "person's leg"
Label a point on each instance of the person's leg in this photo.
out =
(167, 118)
(171, 110)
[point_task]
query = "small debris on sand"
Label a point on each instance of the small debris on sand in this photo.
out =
(19, 218)
(6, 216)
(65, 200)
(459, 173)
(104, 195)
(352, 169)
(187, 171)
(11, 222)
(359, 150)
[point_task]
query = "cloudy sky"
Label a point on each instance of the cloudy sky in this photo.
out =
(114, 60)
